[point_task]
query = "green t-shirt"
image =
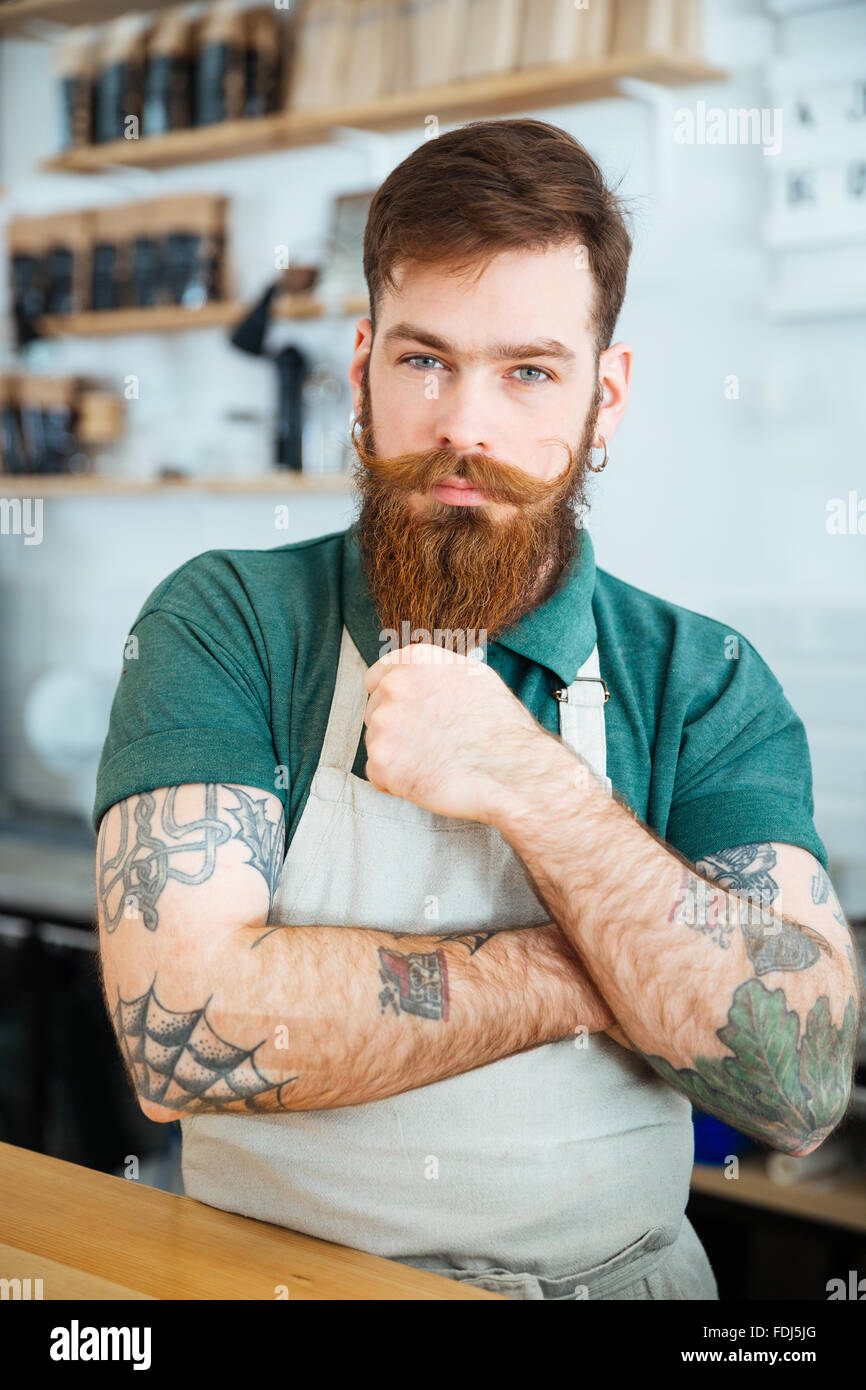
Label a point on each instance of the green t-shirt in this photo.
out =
(236, 663)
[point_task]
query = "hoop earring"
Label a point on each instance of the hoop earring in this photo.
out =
(354, 425)
(597, 468)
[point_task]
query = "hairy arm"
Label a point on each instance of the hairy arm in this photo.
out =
(218, 1009)
(750, 1010)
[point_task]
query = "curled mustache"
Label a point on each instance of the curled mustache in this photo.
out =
(419, 472)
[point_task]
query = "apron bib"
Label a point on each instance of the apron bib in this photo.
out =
(561, 1172)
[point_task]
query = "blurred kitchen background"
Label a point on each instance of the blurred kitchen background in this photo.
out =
(182, 199)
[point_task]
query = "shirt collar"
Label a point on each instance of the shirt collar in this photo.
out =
(559, 633)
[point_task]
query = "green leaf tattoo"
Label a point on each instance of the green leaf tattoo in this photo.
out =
(777, 1086)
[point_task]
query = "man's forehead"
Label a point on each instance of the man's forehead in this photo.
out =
(532, 304)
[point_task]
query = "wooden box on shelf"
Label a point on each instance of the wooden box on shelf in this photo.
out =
(387, 64)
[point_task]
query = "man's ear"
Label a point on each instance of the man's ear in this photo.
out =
(360, 354)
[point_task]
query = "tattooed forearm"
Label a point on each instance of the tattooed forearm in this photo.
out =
(744, 870)
(783, 945)
(132, 878)
(773, 942)
(416, 983)
(785, 1090)
(176, 1059)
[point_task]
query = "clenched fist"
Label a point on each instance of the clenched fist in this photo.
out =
(444, 731)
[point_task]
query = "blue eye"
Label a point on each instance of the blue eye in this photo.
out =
(426, 357)
(421, 357)
(533, 369)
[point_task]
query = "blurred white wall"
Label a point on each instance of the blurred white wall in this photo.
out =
(717, 504)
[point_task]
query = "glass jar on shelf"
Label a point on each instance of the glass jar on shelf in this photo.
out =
(326, 405)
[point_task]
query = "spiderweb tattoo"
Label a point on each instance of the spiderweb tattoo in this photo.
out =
(176, 1059)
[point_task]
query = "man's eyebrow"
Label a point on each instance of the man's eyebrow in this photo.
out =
(497, 352)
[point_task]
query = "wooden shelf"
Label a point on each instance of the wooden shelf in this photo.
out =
(173, 318)
(90, 485)
(839, 1202)
(525, 89)
(19, 16)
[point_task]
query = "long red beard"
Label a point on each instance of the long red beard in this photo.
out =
(455, 569)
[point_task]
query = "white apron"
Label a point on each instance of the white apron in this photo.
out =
(561, 1172)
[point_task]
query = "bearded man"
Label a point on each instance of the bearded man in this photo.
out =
(431, 944)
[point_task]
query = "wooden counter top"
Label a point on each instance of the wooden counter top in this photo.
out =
(89, 1235)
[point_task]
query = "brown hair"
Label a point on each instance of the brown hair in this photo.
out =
(493, 186)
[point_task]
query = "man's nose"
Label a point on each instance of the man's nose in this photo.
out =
(463, 424)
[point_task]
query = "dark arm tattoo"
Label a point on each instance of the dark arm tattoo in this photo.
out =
(773, 942)
(139, 869)
(822, 892)
(177, 1060)
(417, 982)
(786, 1091)
(471, 940)
(414, 983)
(263, 838)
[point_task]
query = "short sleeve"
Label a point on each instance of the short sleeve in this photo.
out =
(192, 703)
(744, 773)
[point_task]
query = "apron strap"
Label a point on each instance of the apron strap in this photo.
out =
(581, 717)
(347, 711)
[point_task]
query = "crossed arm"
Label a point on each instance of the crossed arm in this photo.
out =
(218, 1010)
(736, 978)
